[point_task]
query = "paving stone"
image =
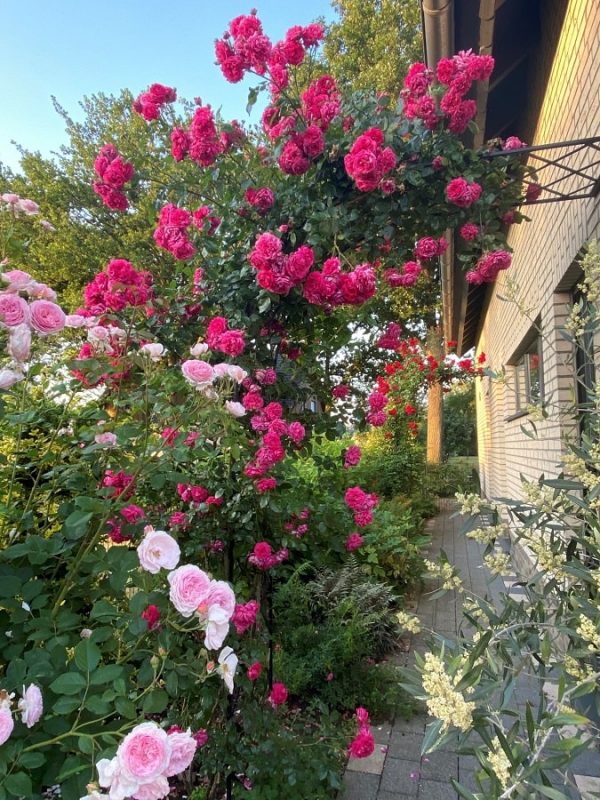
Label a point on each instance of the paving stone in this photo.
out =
(587, 763)
(415, 724)
(405, 745)
(360, 786)
(393, 796)
(433, 790)
(381, 733)
(440, 766)
(397, 776)
(373, 764)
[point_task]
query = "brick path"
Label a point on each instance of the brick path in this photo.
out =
(396, 771)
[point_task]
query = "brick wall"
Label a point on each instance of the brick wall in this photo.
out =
(565, 92)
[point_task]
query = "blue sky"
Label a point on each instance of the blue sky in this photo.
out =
(72, 48)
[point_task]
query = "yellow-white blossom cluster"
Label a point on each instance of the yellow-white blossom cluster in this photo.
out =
(409, 622)
(445, 572)
(590, 264)
(576, 669)
(550, 562)
(498, 562)
(576, 321)
(499, 762)
(543, 498)
(474, 610)
(586, 471)
(487, 535)
(469, 503)
(535, 412)
(589, 632)
(444, 702)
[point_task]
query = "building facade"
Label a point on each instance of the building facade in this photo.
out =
(546, 89)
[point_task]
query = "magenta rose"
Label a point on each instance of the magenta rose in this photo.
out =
(47, 317)
(190, 588)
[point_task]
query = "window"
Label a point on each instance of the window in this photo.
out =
(529, 388)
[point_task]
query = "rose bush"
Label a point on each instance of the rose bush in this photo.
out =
(150, 491)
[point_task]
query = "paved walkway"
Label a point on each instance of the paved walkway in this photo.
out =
(396, 770)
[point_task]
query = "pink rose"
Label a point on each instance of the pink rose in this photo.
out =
(198, 373)
(18, 280)
(47, 317)
(19, 342)
(75, 321)
(158, 550)
(236, 373)
(8, 377)
(13, 310)
(108, 439)
(189, 588)
(217, 627)
(28, 206)
(145, 752)
(31, 705)
(235, 409)
(183, 749)
(6, 724)
(154, 350)
(221, 594)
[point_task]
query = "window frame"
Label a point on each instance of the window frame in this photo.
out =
(522, 373)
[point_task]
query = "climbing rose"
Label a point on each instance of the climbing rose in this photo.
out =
(244, 615)
(254, 671)
(462, 193)
(469, 231)
(152, 616)
(261, 199)
(278, 695)
(353, 542)
(31, 705)
(363, 744)
(352, 456)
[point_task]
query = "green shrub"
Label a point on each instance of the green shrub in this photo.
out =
(394, 543)
(330, 631)
(456, 475)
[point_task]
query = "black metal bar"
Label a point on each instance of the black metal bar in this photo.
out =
(229, 786)
(557, 199)
(592, 141)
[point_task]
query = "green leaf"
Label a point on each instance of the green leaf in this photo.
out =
(126, 708)
(64, 705)
(432, 737)
(550, 792)
(87, 655)
(19, 784)
(106, 674)
(69, 683)
(32, 760)
(155, 702)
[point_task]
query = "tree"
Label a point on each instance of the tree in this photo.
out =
(373, 43)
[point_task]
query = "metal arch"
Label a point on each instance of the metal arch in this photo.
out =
(586, 179)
